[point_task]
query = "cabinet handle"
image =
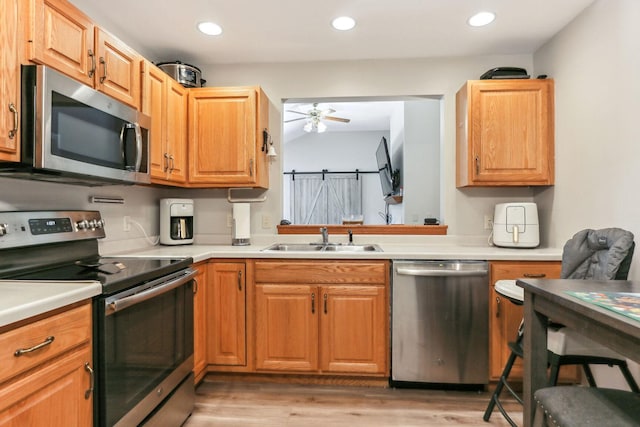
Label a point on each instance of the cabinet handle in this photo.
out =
(313, 303)
(46, 342)
(195, 285)
(477, 165)
(173, 163)
(250, 167)
(92, 71)
(14, 110)
(239, 280)
(89, 392)
(498, 306)
(166, 162)
(325, 303)
(104, 68)
(534, 275)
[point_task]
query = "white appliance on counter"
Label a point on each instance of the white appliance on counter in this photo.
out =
(515, 225)
(241, 233)
(176, 221)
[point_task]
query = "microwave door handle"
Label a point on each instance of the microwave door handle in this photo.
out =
(122, 149)
(138, 131)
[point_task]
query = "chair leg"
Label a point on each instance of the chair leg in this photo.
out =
(554, 362)
(495, 397)
(587, 372)
(633, 385)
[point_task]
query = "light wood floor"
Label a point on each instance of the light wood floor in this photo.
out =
(221, 403)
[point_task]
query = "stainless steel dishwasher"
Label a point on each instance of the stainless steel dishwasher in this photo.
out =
(440, 322)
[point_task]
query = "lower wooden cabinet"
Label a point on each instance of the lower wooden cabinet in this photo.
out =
(327, 317)
(226, 314)
(52, 385)
(200, 322)
(505, 316)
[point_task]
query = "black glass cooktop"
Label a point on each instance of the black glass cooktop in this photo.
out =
(114, 273)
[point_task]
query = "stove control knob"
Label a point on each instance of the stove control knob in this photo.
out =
(83, 224)
(99, 223)
(3, 229)
(92, 223)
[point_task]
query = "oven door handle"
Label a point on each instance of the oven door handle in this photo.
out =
(123, 303)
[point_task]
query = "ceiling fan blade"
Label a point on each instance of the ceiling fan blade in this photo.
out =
(297, 112)
(327, 111)
(294, 120)
(337, 119)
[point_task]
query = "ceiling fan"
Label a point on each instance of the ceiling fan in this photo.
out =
(314, 118)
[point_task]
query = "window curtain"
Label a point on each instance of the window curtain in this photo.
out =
(325, 200)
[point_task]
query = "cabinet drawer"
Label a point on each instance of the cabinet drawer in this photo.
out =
(68, 330)
(336, 272)
(522, 269)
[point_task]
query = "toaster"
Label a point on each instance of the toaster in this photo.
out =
(515, 225)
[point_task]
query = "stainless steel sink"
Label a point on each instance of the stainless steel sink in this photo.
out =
(319, 247)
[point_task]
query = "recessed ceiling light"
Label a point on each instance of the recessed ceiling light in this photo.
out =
(481, 19)
(210, 29)
(343, 23)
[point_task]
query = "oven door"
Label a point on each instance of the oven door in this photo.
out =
(144, 347)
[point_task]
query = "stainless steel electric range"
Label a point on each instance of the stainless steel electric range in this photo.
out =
(143, 320)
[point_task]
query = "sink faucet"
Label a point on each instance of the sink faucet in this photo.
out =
(325, 235)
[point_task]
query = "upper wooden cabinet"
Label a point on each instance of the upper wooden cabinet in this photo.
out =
(226, 137)
(505, 133)
(10, 81)
(165, 101)
(64, 38)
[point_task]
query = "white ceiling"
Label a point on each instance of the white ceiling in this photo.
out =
(299, 30)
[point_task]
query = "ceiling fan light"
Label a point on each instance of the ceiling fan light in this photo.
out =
(343, 23)
(308, 127)
(321, 127)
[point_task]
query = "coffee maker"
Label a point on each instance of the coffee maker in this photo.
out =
(176, 221)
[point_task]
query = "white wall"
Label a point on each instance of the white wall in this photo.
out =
(595, 62)
(421, 161)
(462, 210)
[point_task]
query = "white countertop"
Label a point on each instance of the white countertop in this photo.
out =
(437, 250)
(20, 300)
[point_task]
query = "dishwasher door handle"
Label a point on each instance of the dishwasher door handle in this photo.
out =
(436, 272)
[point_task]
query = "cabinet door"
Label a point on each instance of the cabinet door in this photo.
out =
(154, 105)
(226, 307)
(10, 82)
(200, 322)
(352, 329)
(505, 316)
(118, 70)
(176, 130)
(63, 38)
(286, 327)
(505, 133)
(222, 136)
(57, 394)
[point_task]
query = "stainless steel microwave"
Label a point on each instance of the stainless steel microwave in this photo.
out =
(74, 134)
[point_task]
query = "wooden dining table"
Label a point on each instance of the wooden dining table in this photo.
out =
(546, 299)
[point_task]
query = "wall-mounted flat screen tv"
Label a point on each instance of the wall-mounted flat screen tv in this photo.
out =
(384, 167)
